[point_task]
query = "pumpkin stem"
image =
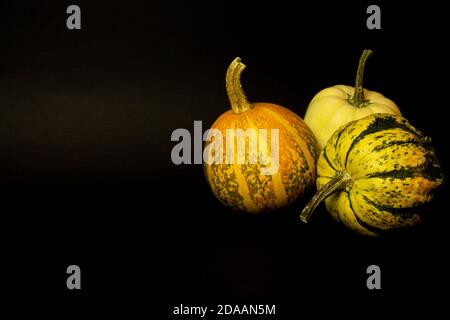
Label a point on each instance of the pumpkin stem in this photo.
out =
(340, 181)
(358, 98)
(236, 95)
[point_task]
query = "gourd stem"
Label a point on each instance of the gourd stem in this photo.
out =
(340, 181)
(358, 96)
(236, 95)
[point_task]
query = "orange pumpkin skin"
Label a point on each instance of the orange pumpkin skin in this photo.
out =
(242, 186)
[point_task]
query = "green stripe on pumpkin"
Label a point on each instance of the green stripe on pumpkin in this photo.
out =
(414, 142)
(404, 213)
(430, 170)
(260, 187)
(224, 184)
(328, 160)
(361, 223)
(381, 123)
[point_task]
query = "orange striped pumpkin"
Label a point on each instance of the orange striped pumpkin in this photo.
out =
(242, 186)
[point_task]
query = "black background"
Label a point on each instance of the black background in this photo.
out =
(85, 171)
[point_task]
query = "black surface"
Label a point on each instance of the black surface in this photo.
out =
(86, 176)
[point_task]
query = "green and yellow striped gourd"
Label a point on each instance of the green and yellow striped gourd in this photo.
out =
(375, 173)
